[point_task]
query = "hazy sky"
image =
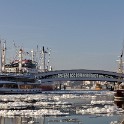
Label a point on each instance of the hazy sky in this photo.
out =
(83, 34)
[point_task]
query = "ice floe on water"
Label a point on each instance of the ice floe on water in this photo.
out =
(107, 109)
(31, 112)
(58, 104)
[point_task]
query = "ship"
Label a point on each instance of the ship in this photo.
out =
(19, 76)
(119, 87)
(12, 87)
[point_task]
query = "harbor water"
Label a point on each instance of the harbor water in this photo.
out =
(61, 107)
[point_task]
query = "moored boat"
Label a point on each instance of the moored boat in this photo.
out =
(11, 87)
(18, 77)
(119, 87)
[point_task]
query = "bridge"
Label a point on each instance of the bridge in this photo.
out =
(80, 75)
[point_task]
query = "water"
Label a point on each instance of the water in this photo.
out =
(80, 119)
(70, 107)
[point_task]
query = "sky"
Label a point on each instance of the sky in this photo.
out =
(82, 34)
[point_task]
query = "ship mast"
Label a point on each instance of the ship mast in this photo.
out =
(44, 66)
(120, 69)
(44, 54)
(20, 60)
(49, 68)
(3, 56)
(32, 55)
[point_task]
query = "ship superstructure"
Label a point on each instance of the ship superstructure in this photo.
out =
(21, 65)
